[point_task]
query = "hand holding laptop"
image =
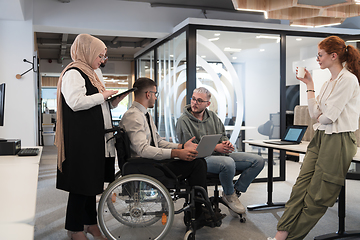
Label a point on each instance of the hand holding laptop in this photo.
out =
(188, 153)
(190, 145)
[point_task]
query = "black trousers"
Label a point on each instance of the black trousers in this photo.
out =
(81, 210)
(194, 171)
(109, 169)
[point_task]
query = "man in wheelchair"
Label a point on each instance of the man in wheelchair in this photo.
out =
(147, 143)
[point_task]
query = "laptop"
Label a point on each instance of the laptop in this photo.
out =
(207, 145)
(293, 135)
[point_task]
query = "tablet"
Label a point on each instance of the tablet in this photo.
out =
(207, 145)
(120, 94)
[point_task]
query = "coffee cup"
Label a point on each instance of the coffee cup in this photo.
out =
(300, 72)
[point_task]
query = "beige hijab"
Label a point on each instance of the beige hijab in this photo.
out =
(84, 51)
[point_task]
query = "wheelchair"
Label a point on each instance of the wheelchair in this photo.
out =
(139, 204)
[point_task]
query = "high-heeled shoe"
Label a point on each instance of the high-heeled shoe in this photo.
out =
(70, 235)
(100, 237)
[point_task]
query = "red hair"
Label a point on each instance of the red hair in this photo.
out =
(348, 54)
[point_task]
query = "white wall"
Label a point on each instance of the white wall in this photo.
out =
(17, 43)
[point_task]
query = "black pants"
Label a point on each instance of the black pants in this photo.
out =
(81, 210)
(109, 169)
(194, 171)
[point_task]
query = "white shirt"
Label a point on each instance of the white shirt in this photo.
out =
(339, 101)
(74, 92)
(135, 124)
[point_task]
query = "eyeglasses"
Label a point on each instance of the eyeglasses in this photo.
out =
(198, 101)
(321, 55)
(104, 58)
(318, 56)
(155, 93)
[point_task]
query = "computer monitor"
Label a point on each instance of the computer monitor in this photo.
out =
(2, 103)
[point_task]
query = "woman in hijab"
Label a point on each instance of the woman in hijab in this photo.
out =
(82, 115)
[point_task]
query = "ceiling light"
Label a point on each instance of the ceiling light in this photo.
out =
(268, 37)
(213, 39)
(234, 58)
(146, 67)
(353, 41)
(171, 55)
(217, 34)
(253, 10)
(298, 39)
(228, 49)
(328, 25)
(262, 50)
(304, 26)
(203, 56)
(111, 80)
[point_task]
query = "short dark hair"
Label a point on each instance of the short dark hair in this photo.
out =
(143, 84)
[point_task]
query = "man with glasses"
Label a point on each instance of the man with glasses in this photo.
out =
(197, 121)
(147, 143)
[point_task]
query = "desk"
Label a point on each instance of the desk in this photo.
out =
(18, 186)
(301, 148)
(240, 137)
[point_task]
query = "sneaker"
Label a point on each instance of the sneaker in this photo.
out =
(234, 203)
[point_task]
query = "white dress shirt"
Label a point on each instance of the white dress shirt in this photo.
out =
(135, 124)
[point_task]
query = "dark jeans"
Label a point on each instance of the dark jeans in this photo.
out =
(81, 210)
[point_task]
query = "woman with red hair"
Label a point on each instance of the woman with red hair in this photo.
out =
(330, 152)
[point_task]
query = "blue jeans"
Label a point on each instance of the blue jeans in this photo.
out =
(250, 165)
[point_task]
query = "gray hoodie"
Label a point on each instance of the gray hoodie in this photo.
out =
(188, 126)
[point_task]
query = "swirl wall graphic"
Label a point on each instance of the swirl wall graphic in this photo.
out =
(172, 79)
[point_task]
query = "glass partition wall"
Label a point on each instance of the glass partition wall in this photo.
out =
(249, 72)
(171, 82)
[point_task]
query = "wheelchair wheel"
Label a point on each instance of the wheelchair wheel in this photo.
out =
(136, 207)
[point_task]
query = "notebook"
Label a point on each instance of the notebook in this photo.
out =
(207, 145)
(293, 135)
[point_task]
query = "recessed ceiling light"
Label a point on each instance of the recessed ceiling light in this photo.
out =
(262, 50)
(171, 55)
(228, 49)
(203, 56)
(268, 37)
(298, 39)
(328, 25)
(217, 34)
(213, 39)
(234, 58)
(294, 25)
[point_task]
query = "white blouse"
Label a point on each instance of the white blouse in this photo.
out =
(339, 101)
